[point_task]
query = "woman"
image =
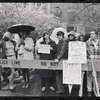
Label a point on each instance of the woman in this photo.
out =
(71, 36)
(25, 49)
(81, 38)
(9, 48)
(47, 76)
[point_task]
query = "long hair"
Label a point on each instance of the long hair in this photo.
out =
(44, 36)
(59, 33)
(80, 37)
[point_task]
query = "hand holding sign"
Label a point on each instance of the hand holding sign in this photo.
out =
(44, 49)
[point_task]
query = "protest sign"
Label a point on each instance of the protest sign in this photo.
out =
(77, 52)
(71, 73)
(44, 49)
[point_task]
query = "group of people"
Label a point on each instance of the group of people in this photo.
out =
(16, 50)
(59, 52)
(23, 50)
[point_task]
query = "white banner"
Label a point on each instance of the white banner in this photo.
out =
(71, 73)
(77, 52)
(44, 49)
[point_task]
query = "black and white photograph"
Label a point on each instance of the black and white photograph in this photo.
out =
(49, 49)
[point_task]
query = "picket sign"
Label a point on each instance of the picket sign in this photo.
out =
(70, 86)
(81, 86)
(95, 88)
(49, 65)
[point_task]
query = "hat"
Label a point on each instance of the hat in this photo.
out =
(71, 33)
(7, 34)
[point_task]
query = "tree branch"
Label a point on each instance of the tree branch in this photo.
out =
(83, 9)
(18, 13)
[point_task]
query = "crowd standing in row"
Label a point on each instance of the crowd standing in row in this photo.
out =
(23, 49)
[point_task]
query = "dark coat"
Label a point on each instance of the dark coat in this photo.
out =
(2, 54)
(62, 49)
(51, 56)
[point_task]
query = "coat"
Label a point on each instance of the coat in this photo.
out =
(28, 49)
(25, 49)
(93, 52)
(51, 56)
(2, 54)
(91, 49)
(62, 49)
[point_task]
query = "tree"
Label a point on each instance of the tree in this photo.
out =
(14, 13)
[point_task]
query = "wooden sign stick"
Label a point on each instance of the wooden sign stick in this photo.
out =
(70, 88)
(95, 80)
(81, 86)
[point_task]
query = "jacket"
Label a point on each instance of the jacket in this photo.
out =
(62, 49)
(50, 56)
(91, 49)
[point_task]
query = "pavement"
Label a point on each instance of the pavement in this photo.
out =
(35, 88)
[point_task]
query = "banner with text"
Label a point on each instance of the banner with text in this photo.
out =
(77, 52)
(44, 49)
(71, 73)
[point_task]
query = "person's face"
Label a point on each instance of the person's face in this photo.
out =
(71, 37)
(81, 38)
(92, 35)
(46, 36)
(60, 37)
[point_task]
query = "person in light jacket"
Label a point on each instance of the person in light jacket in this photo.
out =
(25, 52)
(93, 52)
(9, 49)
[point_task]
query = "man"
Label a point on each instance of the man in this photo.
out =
(93, 52)
(62, 53)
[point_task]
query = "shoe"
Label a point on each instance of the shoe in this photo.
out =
(89, 94)
(43, 89)
(58, 92)
(52, 88)
(27, 85)
(24, 85)
(12, 89)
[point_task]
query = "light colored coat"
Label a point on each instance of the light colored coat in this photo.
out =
(26, 52)
(28, 49)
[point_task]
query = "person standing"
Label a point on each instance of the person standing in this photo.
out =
(25, 52)
(47, 75)
(81, 38)
(62, 53)
(9, 49)
(93, 52)
(2, 56)
(71, 36)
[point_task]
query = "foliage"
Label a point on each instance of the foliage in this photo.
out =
(14, 13)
